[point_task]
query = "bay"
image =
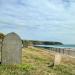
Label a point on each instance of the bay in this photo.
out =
(57, 46)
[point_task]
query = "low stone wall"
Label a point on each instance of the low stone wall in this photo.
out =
(67, 51)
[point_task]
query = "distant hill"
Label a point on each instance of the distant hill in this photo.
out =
(36, 42)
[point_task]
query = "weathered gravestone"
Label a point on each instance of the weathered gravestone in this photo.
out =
(11, 49)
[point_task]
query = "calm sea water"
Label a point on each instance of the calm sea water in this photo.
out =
(57, 46)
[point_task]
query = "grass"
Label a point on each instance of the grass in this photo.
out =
(35, 61)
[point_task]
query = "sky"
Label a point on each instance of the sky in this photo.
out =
(51, 20)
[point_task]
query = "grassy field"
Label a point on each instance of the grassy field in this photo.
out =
(36, 61)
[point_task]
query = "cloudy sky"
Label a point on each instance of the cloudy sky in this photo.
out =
(52, 20)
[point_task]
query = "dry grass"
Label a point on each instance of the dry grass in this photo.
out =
(36, 61)
(36, 55)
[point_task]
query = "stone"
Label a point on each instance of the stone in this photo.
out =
(57, 59)
(12, 49)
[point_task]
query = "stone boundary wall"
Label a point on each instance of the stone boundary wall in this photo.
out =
(67, 51)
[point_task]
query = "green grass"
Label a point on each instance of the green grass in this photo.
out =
(36, 61)
(16, 69)
(27, 69)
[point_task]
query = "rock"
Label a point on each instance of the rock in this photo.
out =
(51, 64)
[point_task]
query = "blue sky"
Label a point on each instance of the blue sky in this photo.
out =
(52, 20)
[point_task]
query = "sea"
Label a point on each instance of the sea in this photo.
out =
(57, 46)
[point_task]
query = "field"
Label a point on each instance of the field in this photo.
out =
(36, 61)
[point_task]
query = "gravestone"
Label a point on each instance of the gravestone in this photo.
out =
(11, 49)
(57, 59)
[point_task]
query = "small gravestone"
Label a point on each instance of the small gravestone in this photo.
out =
(12, 49)
(57, 59)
